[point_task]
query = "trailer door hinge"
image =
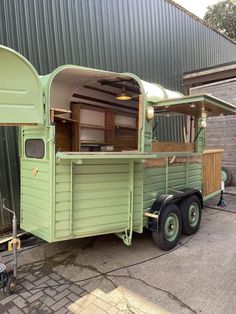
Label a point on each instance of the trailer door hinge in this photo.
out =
(44, 100)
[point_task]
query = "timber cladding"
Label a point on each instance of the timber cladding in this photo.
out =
(174, 160)
(211, 171)
(172, 147)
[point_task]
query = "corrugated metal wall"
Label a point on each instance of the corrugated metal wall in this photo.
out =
(151, 38)
(169, 128)
(9, 175)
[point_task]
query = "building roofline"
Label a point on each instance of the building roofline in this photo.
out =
(199, 19)
(219, 67)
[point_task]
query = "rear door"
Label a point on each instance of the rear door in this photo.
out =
(21, 96)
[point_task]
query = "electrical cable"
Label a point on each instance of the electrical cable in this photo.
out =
(197, 134)
(122, 267)
(18, 254)
(110, 271)
(23, 250)
(220, 209)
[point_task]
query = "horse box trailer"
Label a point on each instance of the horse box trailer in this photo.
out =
(89, 163)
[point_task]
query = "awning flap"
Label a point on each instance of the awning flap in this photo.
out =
(194, 105)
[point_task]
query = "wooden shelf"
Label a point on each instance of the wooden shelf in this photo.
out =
(60, 111)
(93, 126)
(94, 142)
(125, 126)
(57, 111)
(62, 119)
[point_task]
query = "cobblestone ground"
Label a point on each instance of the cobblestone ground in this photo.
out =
(43, 291)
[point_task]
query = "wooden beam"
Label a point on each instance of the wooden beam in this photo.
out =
(100, 90)
(101, 101)
(210, 77)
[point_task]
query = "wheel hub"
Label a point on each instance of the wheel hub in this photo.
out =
(171, 227)
(193, 214)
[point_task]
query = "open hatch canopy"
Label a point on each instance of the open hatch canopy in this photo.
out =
(21, 95)
(195, 105)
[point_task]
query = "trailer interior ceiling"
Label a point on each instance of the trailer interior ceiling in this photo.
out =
(87, 114)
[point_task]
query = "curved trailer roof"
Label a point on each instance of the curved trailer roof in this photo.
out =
(21, 88)
(77, 76)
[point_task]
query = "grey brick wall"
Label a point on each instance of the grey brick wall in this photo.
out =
(221, 133)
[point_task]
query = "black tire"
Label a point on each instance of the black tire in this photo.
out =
(11, 285)
(226, 176)
(170, 227)
(191, 212)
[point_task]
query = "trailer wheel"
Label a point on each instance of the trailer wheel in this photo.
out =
(226, 176)
(191, 214)
(11, 284)
(169, 228)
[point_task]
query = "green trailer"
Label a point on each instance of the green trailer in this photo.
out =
(89, 163)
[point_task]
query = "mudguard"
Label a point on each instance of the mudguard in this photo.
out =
(160, 203)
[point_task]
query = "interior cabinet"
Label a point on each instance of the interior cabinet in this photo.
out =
(91, 128)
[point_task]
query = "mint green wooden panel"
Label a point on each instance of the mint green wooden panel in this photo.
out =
(178, 177)
(138, 197)
(63, 205)
(35, 198)
(176, 169)
(149, 172)
(107, 201)
(36, 190)
(90, 178)
(95, 198)
(21, 97)
(114, 227)
(101, 169)
(85, 220)
(108, 185)
(99, 194)
(110, 212)
(63, 187)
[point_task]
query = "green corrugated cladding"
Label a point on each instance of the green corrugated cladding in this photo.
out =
(152, 38)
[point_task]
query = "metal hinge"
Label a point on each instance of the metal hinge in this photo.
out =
(44, 103)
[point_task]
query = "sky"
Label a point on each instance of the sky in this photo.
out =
(198, 7)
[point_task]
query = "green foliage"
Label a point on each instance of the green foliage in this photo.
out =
(222, 16)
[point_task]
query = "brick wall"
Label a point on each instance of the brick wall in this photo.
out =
(221, 133)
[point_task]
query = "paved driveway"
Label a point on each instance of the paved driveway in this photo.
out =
(199, 276)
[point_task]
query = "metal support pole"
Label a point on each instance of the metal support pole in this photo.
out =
(14, 234)
(221, 202)
(14, 238)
